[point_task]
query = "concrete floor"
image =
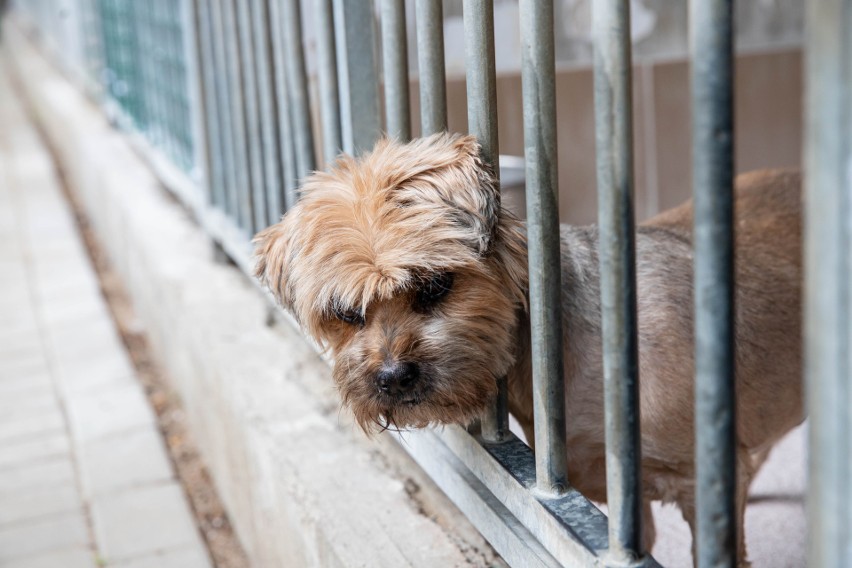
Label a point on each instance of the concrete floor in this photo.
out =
(85, 480)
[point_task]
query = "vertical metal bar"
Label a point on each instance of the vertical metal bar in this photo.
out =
(285, 127)
(711, 36)
(614, 148)
(237, 98)
(246, 34)
(297, 88)
(430, 58)
(327, 81)
(223, 94)
(828, 278)
(538, 71)
(482, 121)
(209, 146)
(268, 111)
(395, 64)
(192, 160)
(354, 30)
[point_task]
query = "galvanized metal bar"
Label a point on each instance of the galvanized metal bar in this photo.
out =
(614, 149)
(329, 95)
(482, 121)
(268, 112)
(238, 119)
(208, 145)
(538, 72)
(253, 118)
(285, 129)
(190, 30)
(430, 58)
(225, 106)
(711, 27)
(354, 31)
(395, 66)
(828, 280)
(297, 87)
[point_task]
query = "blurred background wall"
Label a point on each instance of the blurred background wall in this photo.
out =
(768, 88)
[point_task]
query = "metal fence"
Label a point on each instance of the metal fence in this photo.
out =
(220, 87)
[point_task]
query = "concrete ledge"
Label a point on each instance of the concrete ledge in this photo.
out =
(302, 486)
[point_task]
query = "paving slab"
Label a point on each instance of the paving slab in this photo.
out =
(14, 428)
(178, 558)
(29, 538)
(59, 470)
(40, 501)
(22, 452)
(135, 458)
(110, 410)
(143, 521)
(73, 557)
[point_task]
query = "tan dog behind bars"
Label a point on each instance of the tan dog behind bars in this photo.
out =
(405, 265)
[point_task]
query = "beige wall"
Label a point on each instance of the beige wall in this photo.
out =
(768, 122)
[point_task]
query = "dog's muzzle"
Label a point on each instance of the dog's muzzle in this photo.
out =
(398, 378)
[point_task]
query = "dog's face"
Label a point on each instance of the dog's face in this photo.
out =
(404, 265)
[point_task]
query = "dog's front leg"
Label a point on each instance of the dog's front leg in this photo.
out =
(649, 529)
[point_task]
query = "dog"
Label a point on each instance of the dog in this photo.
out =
(404, 264)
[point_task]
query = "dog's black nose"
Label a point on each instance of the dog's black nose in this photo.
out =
(397, 378)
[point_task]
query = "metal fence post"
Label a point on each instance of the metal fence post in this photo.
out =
(297, 88)
(828, 273)
(285, 111)
(269, 110)
(542, 193)
(711, 35)
(251, 107)
(238, 118)
(327, 80)
(482, 123)
(395, 67)
(357, 74)
(430, 59)
(223, 98)
(614, 147)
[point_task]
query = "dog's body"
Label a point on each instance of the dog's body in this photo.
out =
(768, 332)
(404, 264)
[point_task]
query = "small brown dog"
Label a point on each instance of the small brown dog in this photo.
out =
(404, 264)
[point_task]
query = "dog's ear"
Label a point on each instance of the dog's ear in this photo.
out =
(272, 251)
(449, 169)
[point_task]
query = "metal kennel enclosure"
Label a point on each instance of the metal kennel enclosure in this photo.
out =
(216, 93)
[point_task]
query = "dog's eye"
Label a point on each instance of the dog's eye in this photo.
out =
(432, 290)
(352, 317)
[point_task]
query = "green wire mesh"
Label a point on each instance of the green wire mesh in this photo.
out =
(145, 71)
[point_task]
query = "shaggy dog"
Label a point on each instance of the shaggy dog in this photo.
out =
(404, 264)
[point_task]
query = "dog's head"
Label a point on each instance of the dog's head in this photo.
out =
(405, 266)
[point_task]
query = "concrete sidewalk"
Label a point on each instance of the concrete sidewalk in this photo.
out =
(84, 477)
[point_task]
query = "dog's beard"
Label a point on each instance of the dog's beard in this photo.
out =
(448, 392)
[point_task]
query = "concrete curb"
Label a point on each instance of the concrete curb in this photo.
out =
(303, 488)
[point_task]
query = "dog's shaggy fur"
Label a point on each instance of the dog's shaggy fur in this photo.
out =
(404, 259)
